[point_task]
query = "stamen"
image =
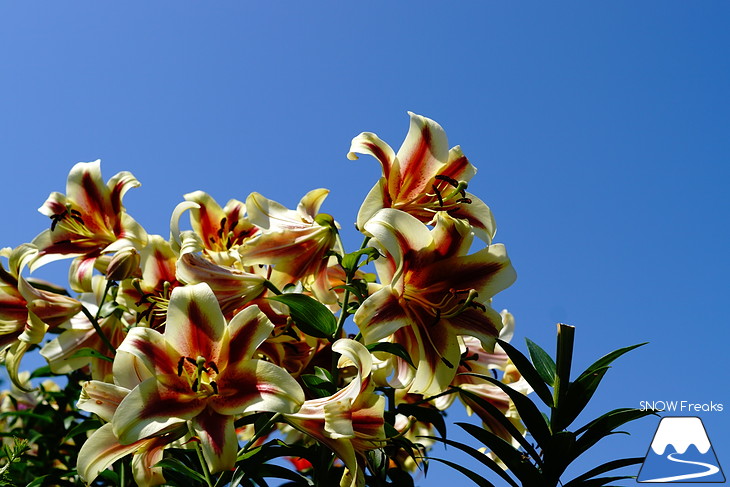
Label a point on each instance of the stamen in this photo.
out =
(213, 366)
(180, 364)
(214, 386)
(438, 195)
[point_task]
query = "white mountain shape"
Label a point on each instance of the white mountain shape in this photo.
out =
(680, 433)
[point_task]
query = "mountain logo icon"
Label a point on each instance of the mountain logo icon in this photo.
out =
(679, 452)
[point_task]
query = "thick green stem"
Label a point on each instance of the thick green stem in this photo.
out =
(201, 458)
(98, 329)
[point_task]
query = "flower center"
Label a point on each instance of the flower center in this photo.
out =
(200, 373)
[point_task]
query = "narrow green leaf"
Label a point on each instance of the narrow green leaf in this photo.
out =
(83, 427)
(44, 371)
(503, 421)
(528, 372)
(311, 316)
(425, 414)
(543, 362)
(268, 470)
(601, 481)
(482, 458)
(601, 469)
(604, 425)
(564, 360)
(477, 479)
(393, 348)
(513, 458)
(579, 394)
(606, 360)
(90, 352)
(320, 387)
(177, 466)
(530, 414)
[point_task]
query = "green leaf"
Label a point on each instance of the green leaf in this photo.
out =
(393, 348)
(90, 352)
(83, 427)
(311, 316)
(477, 479)
(543, 362)
(518, 463)
(320, 387)
(608, 359)
(498, 416)
(579, 394)
(604, 425)
(601, 469)
(564, 360)
(177, 466)
(425, 414)
(44, 371)
(482, 458)
(601, 481)
(530, 414)
(528, 372)
(350, 261)
(268, 470)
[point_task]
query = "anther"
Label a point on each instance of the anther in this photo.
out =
(195, 385)
(214, 386)
(180, 364)
(213, 366)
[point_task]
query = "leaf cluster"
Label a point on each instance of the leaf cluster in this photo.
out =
(557, 443)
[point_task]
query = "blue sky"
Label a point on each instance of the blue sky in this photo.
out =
(600, 131)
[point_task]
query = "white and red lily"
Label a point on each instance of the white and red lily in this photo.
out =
(432, 292)
(220, 230)
(295, 242)
(103, 448)
(27, 313)
(350, 421)
(424, 177)
(200, 371)
(88, 221)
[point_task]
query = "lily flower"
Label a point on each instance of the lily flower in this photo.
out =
(350, 421)
(200, 372)
(88, 221)
(103, 448)
(221, 230)
(432, 293)
(295, 242)
(423, 178)
(26, 313)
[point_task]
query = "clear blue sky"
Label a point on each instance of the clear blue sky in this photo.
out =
(601, 131)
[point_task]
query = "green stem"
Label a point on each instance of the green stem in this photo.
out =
(345, 300)
(201, 458)
(98, 329)
(270, 286)
(264, 430)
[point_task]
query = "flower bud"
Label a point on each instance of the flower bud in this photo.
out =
(124, 264)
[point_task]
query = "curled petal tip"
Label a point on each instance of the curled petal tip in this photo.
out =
(352, 156)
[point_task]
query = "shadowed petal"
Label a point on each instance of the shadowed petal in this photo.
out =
(152, 407)
(380, 315)
(143, 354)
(100, 451)
(255, 385)
(218, 439)
(101, 398)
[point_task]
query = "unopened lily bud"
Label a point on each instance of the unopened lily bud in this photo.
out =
(124, 264)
